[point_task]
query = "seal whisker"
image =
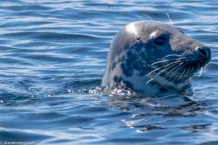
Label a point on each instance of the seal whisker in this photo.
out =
(186, 72)
(178, 55)
(183, 69)
(182, 74)
(191, 71)
(159, 73)
(202, 70)
(171, 76)
(171, 73)
(161, 68)
(148, 16)
(170, 20)
(174, 72)
(150, 80)
(165, 60)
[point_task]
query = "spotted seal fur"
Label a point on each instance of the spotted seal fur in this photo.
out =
(154, 58)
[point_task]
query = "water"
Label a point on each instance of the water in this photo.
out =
(51, 51)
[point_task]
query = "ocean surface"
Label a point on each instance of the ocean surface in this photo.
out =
(52, 59)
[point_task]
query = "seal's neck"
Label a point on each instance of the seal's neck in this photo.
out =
(159, 87)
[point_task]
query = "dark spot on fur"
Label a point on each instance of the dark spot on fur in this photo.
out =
(138, 46)
(120, 79)
(143, 72)
(113, 65)
(126, 70)
(136, 60)
(129, 62)
(132, 55)
(128, 84)
(121, 59)
(126, 46)
(140, 67)
(138, 38)
(117, 79)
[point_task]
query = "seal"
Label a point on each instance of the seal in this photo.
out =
(154, 58)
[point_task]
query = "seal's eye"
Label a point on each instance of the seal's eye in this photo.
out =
(160, 40)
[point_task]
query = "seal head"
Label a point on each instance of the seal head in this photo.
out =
(154, 58)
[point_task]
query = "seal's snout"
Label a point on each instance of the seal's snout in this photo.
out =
(204, 51)
(205, 54)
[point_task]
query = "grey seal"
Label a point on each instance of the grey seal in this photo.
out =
(154, 58)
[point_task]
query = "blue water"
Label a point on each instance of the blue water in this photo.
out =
(52, 52)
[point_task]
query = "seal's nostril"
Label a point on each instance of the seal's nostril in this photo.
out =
(202, 51)
(205, 51)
